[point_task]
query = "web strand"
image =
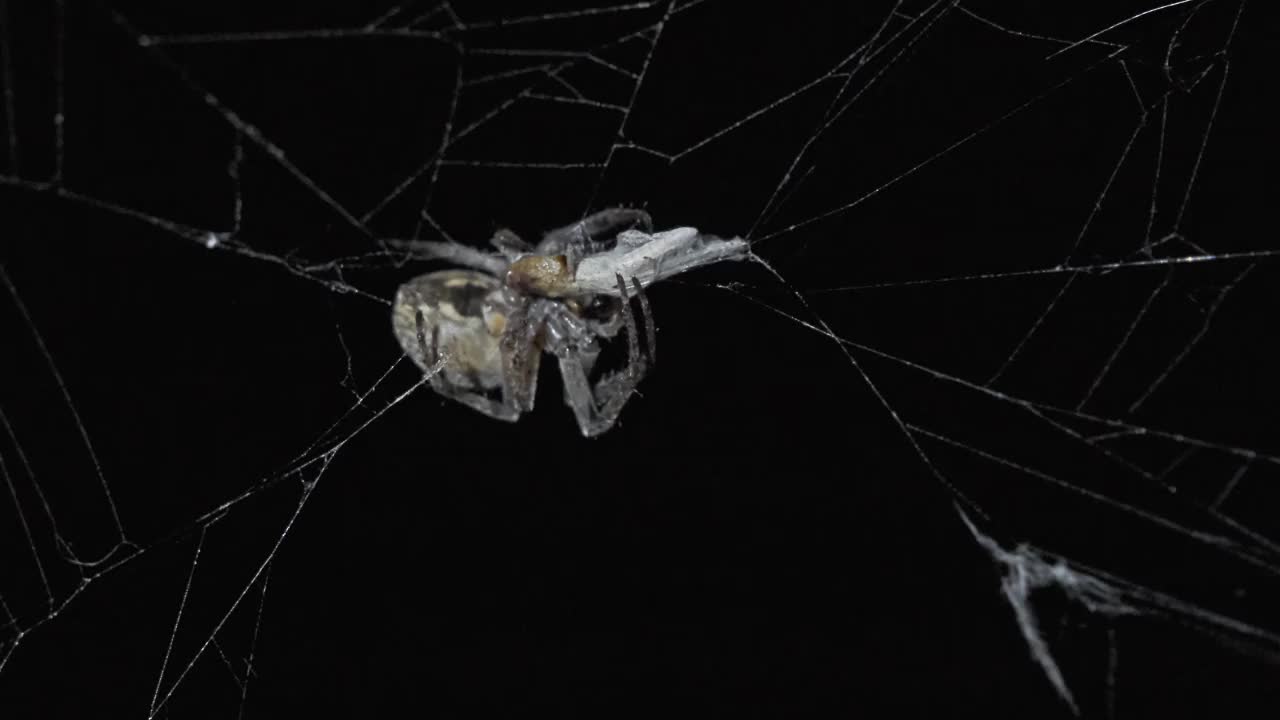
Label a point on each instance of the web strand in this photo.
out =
(1135, 241)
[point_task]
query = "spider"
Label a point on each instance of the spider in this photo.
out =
(480, 332)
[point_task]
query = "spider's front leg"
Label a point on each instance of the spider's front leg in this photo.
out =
(579, 239)
(597, 408)
(510, 244)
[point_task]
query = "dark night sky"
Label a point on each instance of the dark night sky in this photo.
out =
(760, 536)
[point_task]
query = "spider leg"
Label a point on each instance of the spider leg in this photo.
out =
(521, 354)
(597, 408)
(607, 328)
(510, 244)
(430, 352)
(635, 361)
(578, 239)
(580, 399)
(450, 252)
(650, 332)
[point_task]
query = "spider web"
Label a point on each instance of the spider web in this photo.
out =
(988, 421)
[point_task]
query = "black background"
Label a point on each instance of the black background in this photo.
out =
(758, 537)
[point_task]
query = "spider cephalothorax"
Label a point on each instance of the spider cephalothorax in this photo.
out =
(481, 332)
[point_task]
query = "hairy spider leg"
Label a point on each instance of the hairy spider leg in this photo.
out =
(522, 350)
(578, 396)
(510, 244)
(597, 409)
(635, 361)
(450, 252)
(650, 332)
(579, 239)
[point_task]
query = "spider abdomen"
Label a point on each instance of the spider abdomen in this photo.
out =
(461, 322)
